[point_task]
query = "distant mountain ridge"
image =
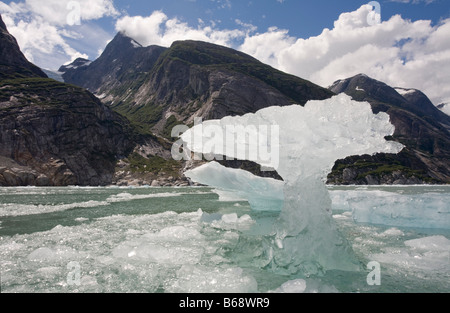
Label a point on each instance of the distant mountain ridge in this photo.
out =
(158, 87)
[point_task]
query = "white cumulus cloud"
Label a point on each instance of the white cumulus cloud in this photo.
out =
(398, 51)
(43, 32)
(159, 29)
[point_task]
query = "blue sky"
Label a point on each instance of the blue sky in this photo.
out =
(320, 40)
(301, 18)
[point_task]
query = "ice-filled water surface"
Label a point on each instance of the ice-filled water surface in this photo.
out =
(169, 240)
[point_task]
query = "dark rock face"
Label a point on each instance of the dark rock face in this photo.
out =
(61, 132)
(419, 125)
(51, 133)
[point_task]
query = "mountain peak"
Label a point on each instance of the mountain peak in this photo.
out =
(206, 53)
(124, 59)
(80, 62)
(125, 41)
(2, 24)
(13, 63)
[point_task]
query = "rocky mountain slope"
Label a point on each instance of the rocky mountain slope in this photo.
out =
(51, 133)
(158, 88)
(420, 126)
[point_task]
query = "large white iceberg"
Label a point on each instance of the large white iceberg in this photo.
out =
(311, 139)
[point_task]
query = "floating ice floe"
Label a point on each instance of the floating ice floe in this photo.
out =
(235, 184)
(418, 210)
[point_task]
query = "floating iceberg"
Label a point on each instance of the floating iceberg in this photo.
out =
(262, 193)
(409, 208)
(311, 139)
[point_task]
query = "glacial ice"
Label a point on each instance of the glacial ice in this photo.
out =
(14, 209)
(202, 279)
(292, 286)
(402, 209)
(407, 206)
(428, 254)
(262, 193)
(311, 139)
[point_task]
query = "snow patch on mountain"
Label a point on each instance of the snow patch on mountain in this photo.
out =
(135, 44)
(405, 91)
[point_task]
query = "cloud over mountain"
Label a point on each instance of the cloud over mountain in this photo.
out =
(43, 29)
(397, 51)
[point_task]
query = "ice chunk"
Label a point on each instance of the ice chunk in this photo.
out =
(125, 196)
(433, 243)
(59, 253)
(14, 209)
(429, 254)
(292, 286)
(168, 246)
(42, 254)
(230, 218)
(427, 210)
(393, 232)
(261, 193)
(311, 139)
(201, 279)
(177, 233)
(232, 221)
